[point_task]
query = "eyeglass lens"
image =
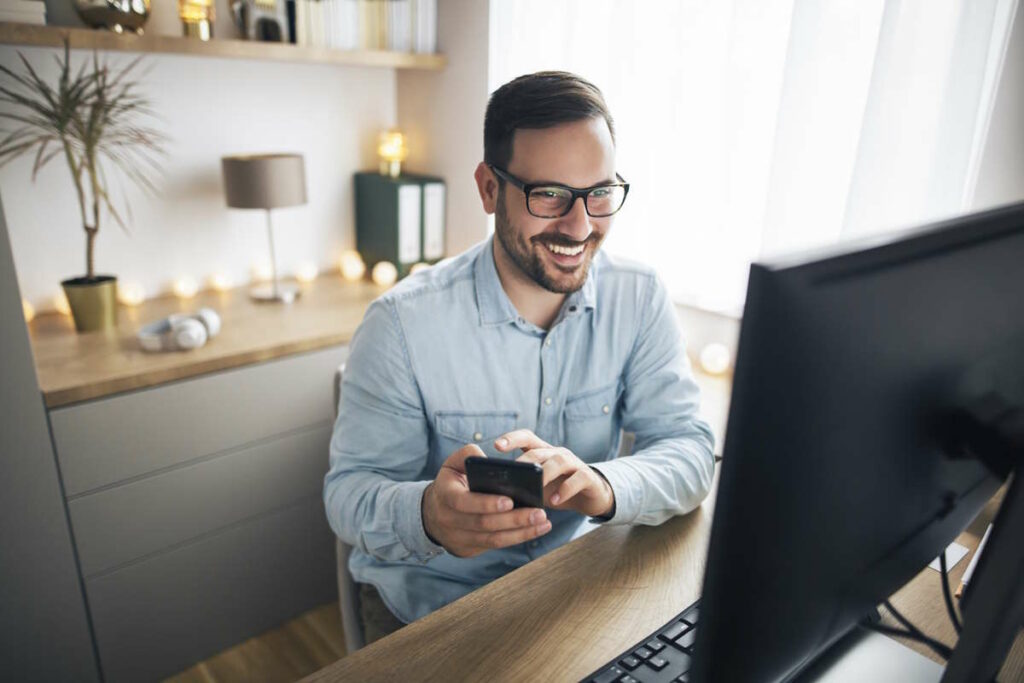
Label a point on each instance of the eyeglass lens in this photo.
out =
(552, 202)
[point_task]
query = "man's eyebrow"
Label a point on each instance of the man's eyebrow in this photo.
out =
(606, 181)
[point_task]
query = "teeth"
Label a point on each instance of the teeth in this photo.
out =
(566, 251)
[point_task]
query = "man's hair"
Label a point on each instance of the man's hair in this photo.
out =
(540, 100)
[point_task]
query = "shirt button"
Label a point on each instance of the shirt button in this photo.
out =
(478, 435)
(547, 401)
(605, 409)
(547, 342)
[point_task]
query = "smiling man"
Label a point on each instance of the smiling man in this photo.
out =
(533, 345)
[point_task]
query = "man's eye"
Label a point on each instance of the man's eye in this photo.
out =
(601, 192)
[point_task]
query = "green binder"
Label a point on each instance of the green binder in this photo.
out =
(401, 220)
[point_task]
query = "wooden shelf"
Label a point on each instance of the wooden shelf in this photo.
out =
(90, 39)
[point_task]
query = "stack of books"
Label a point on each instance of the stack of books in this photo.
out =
(399, 25)
(23, 11)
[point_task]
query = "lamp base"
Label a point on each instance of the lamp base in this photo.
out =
(285, 294)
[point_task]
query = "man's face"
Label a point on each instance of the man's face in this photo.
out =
(578, 154)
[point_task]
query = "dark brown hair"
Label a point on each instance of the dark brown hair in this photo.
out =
(540, 100)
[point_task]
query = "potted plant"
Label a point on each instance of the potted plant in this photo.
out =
(88, 119)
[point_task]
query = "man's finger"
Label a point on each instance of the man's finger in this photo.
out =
(468, 502)
(570, 487)
(502, 521)
(538, 455)
(457, 460)
(503, 539)
(520, 438)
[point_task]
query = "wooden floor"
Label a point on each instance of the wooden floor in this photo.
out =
(304, 645)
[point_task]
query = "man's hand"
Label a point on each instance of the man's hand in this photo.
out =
(569, 483)
(468, 523)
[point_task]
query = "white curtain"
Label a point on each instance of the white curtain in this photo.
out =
(748, 128)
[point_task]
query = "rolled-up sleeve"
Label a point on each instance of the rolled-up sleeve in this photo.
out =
(379, 446)
(672, 465)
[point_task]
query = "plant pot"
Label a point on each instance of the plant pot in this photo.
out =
(93, 302)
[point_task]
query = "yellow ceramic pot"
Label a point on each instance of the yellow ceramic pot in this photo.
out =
(93, 302)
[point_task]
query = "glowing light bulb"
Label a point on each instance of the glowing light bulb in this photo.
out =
(60, 302)
(221, 282)
(130, 293)
(352, 266)
(418, 267)
(385, 274)
(185, 288)
(262, 272)
(393, 151)
(715, 358)
(28, 310)
(307, 272)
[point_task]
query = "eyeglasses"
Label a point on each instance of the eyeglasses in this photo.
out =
(555, 201)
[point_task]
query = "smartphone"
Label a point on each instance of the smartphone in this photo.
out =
(523, 482)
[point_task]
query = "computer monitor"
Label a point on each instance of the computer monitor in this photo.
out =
(837, 486)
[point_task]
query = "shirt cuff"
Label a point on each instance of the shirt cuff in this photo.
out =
(409, 521)
(624, 487)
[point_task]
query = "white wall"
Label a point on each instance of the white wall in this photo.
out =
(442, 112)
(209, 107)
(1001, 176)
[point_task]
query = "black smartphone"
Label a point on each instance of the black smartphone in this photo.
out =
(523, 482)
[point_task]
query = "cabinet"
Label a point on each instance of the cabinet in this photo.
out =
(196, 509)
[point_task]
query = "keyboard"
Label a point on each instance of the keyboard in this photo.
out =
(662, 657)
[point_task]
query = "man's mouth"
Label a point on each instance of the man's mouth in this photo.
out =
(566, 251)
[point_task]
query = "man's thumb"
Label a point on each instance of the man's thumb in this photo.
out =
(457, 460)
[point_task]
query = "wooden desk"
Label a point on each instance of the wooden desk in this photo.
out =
(592, 598)
(564, 615)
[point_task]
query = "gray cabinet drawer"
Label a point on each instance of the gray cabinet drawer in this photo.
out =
(158, 617)
(127, 522)
(114, 439)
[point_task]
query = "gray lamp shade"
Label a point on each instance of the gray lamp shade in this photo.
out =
(264, 181)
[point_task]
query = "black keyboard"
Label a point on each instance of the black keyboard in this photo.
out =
(662, 657)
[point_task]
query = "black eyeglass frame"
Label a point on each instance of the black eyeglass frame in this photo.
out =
(527, 188)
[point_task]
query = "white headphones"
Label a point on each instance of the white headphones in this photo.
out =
(180, 331)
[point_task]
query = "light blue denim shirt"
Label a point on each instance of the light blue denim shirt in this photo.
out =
(443, 359)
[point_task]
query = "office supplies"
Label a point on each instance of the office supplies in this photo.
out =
(954, 553)
(400, 220)
(969, 572)
(523, 482)
(886, 384)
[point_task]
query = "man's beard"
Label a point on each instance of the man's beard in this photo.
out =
(530, 263)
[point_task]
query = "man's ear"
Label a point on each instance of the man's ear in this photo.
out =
(487, 186)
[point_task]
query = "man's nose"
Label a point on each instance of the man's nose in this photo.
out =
(576, 224)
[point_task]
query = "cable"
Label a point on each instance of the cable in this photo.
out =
(945, 593)
(942, 650)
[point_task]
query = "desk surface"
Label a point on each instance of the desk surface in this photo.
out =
(75, 367)
(572, 610)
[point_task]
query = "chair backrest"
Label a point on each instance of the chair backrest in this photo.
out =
(348, 590)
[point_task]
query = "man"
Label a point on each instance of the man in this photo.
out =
(534, 345)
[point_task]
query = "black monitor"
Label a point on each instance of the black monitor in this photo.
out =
(839, 482)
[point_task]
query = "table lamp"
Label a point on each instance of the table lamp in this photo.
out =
(266, 181)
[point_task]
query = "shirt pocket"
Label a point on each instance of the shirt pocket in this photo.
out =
(456, 428)
(591, 425)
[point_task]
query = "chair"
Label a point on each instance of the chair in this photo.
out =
(348, 589)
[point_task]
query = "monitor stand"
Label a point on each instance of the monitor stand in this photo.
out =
(864, 655)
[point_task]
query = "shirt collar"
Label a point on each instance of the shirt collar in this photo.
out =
(493, 303)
